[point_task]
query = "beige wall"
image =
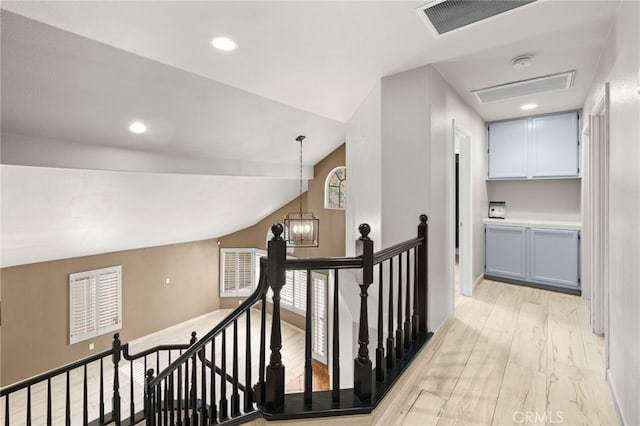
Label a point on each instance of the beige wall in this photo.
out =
(35, 315)
(332, 225)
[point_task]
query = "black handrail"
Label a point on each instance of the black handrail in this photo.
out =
(260, 291)
(318, 263)
(395, 250)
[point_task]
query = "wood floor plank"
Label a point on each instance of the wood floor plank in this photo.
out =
(425, 410)
(528, 348)
(522, 395)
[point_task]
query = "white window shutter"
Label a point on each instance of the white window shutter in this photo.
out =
(245, 271)
(109, 296)
(229, 270)
(319, 321)
(82, 292)
(300, 290)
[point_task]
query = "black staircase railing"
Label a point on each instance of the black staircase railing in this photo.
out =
(100, 400)
(209, 381)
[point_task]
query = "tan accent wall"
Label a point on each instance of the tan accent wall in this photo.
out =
(35, 315)
(332, 225)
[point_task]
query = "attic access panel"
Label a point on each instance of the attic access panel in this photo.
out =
(449, 15)
(533, 86)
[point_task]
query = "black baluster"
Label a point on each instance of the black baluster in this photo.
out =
(190, 391)
(49, 416)
(204, 415)
(149, 399)
(116, 354)
(67, 407)
(399, 345)
(167, 401)
(407, 307)
(260, 387)
(248, 397)
(214, 411)
(7, 414)
(180, 404)
(335, 394)
(28, 405)
(362, 382)
(277, 254)
(414, 319)
(158, 404)
(85, 398)
(391, 356)
(223, 377)
(132, 404)
(101, 390)
(235, 396)
(308, 368)
(380, 368)
(423, 273)
(171, 392)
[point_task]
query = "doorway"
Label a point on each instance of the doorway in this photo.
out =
(462, 265)
(598, 216)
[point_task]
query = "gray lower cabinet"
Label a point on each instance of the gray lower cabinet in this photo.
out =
(506, 251)
(536, 255)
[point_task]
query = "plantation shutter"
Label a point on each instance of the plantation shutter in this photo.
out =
(239, 271)
(95, 303)
(286, 294)
(83, 307)
(229, 270)
(245, 271)
(319, 324)
(300, 290)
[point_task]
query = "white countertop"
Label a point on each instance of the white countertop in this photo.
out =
(535, 223)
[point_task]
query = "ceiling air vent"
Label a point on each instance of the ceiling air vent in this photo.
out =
(443, 16)
(533, 86)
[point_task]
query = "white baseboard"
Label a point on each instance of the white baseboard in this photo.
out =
(614, 396)
(478, 281)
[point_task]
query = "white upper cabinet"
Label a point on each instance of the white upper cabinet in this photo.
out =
(508, 149)
(554, 145)
(538, 147)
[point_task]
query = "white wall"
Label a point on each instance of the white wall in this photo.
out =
(620, 66)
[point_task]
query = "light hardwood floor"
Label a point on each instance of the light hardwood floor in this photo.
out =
(511, 355)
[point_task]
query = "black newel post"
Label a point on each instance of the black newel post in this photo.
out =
(117, 352)
(276, 255)
(423, 273)
(362, 370)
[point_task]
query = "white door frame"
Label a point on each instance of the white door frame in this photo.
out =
(598, 217)
(462, 137)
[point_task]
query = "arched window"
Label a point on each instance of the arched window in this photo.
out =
(335, 189)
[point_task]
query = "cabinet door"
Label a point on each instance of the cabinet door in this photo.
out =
(554, 145)
(554, 257)
(505, 251)
(508, 149)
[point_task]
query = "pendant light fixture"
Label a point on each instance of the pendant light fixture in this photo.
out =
(301, 228)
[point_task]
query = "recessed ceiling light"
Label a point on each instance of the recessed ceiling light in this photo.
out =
(521, 61)
(224, 43)
(526, 107)
(137, 127)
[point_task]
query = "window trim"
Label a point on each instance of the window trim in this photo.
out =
(98, 331)
(327, 187)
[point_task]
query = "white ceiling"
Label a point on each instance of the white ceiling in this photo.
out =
(225, 119)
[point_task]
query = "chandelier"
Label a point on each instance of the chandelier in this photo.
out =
(301, 228)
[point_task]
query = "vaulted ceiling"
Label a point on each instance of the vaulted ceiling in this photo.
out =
(219, 153)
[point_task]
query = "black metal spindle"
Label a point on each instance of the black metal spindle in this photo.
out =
(248, 397)
(28, 405)
(362, 369)
(68, 403)
(49, 414)
(101, 390)
(85, 397)
(194, 390)
(407, 307)
(212, 403)
(399, 346)
(414, 319)
(391, 356)
(235, 396)
(335, 393)
(166, 403)
(380, 368)
(308, 367)
(171, 393)
(187, 399)
(223, 377)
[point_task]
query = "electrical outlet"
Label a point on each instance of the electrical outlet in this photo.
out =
(91, 346)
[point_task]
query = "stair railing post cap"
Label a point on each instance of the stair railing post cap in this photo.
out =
(423, 218)
(277, 229)
(364, 229)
